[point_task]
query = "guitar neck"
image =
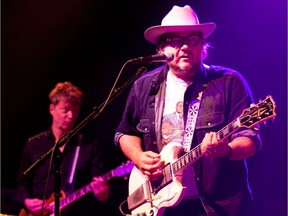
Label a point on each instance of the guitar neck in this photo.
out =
(75, 195)
(196, 153)
(80, 192)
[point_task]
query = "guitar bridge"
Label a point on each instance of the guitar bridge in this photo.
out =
(140, 196)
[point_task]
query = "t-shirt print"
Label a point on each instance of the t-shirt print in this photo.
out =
(173, 126)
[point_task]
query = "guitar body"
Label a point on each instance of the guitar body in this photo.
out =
(23, 212)
(51, 200)
(168, 196)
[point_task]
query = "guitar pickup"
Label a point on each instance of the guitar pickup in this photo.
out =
(140, 196)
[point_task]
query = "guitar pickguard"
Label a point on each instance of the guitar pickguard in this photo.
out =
(145, 195)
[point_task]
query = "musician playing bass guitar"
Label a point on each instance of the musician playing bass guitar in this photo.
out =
(213, 97)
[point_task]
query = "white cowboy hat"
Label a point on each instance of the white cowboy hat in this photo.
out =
(178, 19)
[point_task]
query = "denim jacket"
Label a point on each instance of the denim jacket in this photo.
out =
(222, 183)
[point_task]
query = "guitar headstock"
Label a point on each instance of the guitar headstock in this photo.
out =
(123, 169)
(258, 113)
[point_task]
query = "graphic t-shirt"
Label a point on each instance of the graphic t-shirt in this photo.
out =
(172, 121)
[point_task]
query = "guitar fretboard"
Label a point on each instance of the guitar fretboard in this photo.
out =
(196, 153)
(79, 193)
(75, 195)
(191, 156)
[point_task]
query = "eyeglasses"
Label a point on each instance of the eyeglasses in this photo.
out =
(176, 42)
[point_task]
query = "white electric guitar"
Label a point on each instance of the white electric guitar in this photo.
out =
(151, 198)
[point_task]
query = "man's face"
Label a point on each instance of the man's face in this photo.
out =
(187, 47)
(179, 107)
(64, 114)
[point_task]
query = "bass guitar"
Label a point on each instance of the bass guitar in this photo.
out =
(64, 202)
(153, 197)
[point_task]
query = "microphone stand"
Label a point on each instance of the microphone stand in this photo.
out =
(57, 155)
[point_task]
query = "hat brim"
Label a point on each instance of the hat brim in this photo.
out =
(153, 33)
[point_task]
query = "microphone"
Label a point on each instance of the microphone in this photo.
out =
(162, 57)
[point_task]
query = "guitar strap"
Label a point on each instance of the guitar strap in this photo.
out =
(75, 159)
(191, 122)
(188, 175)
(70, 183)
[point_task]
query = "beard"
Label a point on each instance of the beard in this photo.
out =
(186, 72)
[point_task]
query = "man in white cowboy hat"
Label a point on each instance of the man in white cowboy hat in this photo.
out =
(214, 181)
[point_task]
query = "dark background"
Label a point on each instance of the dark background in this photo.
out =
(88, 41)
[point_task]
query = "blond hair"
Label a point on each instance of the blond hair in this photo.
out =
(68, 91)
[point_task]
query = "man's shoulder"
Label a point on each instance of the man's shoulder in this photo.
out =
(153, 73)
(41, 135)
(218, 69)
